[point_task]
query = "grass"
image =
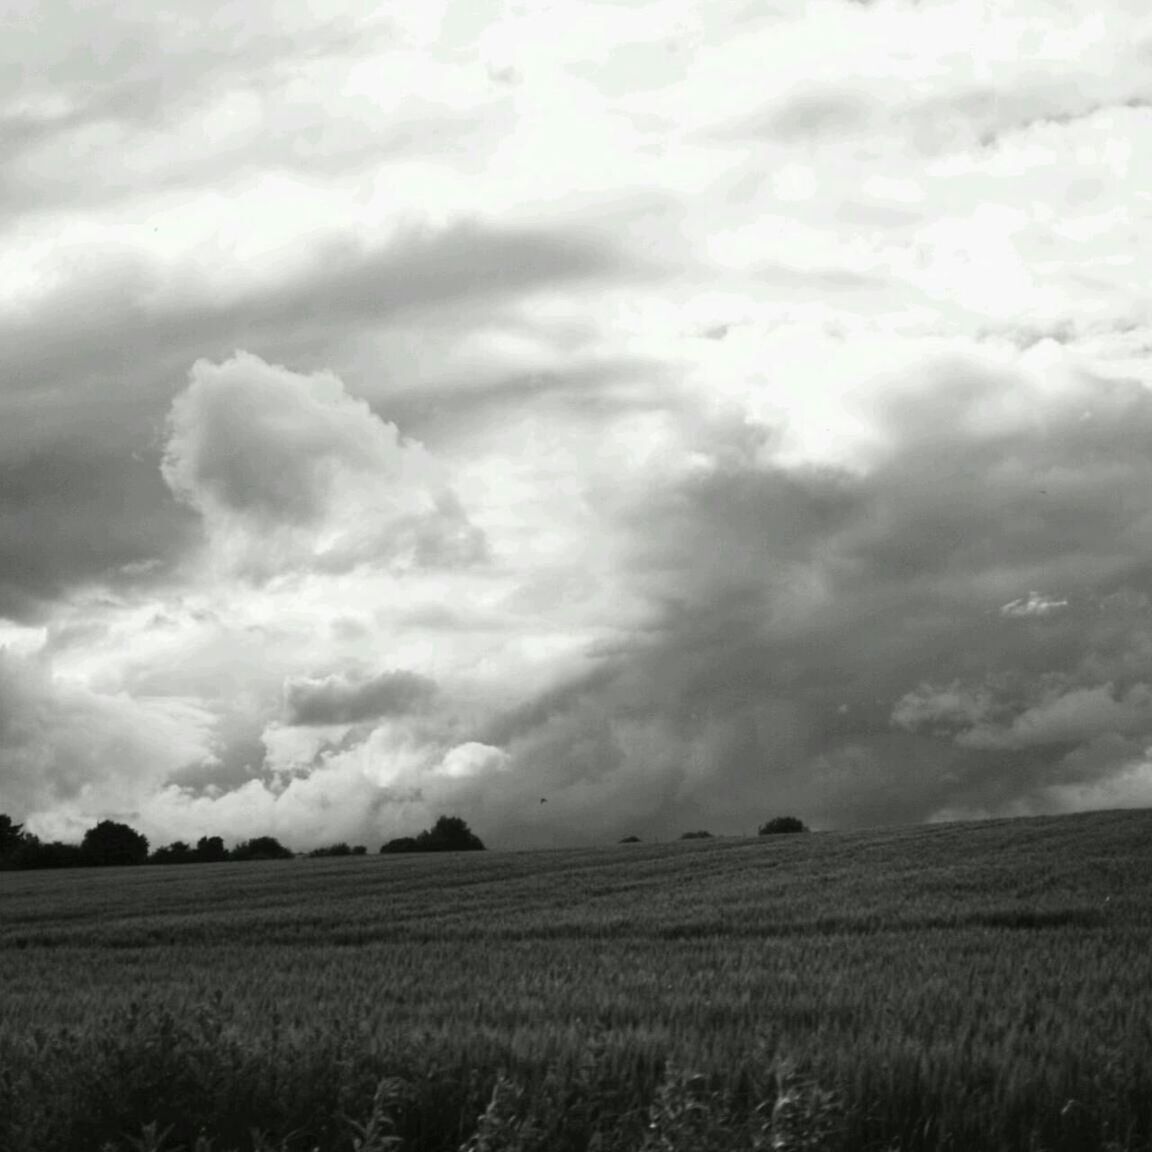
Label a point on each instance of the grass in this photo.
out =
(981, 986)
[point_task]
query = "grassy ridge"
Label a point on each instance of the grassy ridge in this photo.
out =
(967, 986)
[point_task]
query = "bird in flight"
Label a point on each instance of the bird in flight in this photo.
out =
(543, 800)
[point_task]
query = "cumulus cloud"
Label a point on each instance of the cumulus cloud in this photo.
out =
(335, 801)
(466, 761)
(292, 468)
(350, 700)
(955, 704)
(66, 747)
(393, 782)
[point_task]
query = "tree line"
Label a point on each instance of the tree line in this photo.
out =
(777, 826)
(110, 843)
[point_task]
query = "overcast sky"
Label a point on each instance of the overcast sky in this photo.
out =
(685, 412)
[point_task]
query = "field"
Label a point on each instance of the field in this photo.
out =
(972, 987)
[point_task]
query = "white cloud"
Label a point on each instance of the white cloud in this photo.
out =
(466, 761)
(20, 639)
(66, 748)
(393, 783)
(290, 469)
(953, 705)
(1034, 604)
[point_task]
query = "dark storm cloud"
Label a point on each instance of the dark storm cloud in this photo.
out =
(347, 700)
(833, 643)
(89, 379)
(98, 330)
(73, 515)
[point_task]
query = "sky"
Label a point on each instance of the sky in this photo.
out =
(682, 413)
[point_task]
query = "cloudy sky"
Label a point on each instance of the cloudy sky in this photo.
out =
(688, 413)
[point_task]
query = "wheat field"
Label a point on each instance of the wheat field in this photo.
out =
(970, 986)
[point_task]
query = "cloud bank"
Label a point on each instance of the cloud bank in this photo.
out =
(681, 414)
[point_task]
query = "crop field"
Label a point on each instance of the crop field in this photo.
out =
(972, 987)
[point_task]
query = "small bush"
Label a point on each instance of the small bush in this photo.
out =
(261, 848)
(701, 835)
(211, 850)
(178, 852)
(448, 834)
(340, 849)
(400, 844)
(782, 824)
(630, 840)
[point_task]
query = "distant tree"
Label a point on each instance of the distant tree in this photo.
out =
(630, 840)
(20, 849)
(701, 835)
(332, 850)
(449, 834)
(110, 843)
(782, 824)
(360, 850)
(11, 835)
(400, 844)
(178, 852)
(25, 852)
(34, 853)
(211, 850)
(261, 848)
